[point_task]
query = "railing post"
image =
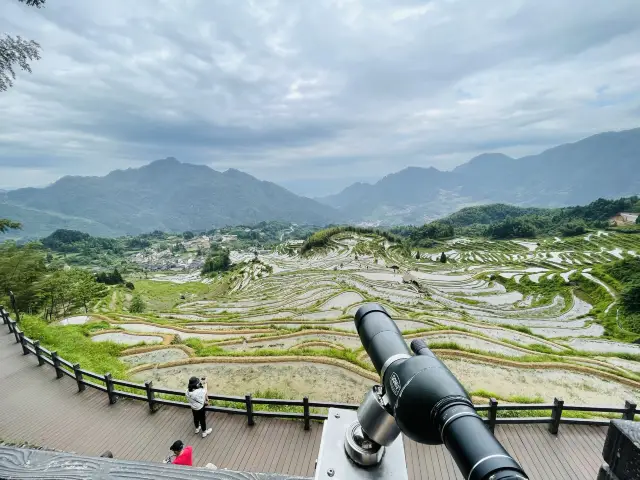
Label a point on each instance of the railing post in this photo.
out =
(79, 377)
(10, 325)
(631, 410)
(305, 409)
(56, 364)
(249, 404)
(492, 414)
(556, 415)
(4, 319)
(14, 329)
(113, 398)
(151, 396)
(36, 345)
(23, 342)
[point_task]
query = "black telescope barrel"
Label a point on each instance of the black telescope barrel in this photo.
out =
(429, 404)
(379, 335)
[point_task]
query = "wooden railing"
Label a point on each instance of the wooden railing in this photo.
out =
(148, 393)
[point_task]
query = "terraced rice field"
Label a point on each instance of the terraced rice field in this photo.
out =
(509, 317)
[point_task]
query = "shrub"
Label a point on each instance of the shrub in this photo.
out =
(137, 304)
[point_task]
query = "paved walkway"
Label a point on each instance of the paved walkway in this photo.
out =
(37, 408)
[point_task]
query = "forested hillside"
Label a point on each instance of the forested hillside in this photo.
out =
(508, 221)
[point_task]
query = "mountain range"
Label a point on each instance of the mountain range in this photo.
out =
(164, 195)
(604, 165)
(173, 196)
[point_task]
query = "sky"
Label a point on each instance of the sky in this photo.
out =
(313, 95)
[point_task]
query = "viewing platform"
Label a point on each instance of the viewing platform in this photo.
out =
(37, 408)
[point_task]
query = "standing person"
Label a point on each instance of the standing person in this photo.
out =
(197, 397)
(181, 455)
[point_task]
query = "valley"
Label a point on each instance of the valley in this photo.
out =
(520, 320)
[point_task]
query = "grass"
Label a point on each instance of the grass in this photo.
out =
(72, 343)
(163, 296)
(203, 349)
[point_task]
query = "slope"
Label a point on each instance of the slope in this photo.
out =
(166, 195)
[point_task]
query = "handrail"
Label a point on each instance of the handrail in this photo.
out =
(46, 356)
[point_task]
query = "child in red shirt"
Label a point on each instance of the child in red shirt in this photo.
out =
(183, 455)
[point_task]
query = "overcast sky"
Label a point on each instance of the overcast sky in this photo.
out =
(313, 94)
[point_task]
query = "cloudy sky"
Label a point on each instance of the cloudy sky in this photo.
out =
(313, 94)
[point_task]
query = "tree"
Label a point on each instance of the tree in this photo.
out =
(17, 52)
(113, 278)
(5, 223)
(188, 235)
(443, 258)
(418, 255)
(218, 261)
(137, 304)
(638, 220)
(574, 228)
(631, 296)
(21, 268)
(85, 288)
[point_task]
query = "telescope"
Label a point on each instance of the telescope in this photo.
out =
(419, 397)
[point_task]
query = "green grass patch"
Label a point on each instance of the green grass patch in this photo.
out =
(72, 343)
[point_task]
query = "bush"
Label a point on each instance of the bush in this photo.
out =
(130, 286)
(630, 297)
(574, 228)
(137, 305)
(443, 258)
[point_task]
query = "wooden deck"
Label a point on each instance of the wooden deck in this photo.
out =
(37, 408)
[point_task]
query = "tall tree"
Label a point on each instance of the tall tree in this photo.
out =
(443, 258)
(21, 268)
(17, 52)
(85, 288)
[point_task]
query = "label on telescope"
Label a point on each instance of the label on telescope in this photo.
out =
(395, 384)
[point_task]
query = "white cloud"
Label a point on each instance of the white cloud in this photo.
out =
(287, 89)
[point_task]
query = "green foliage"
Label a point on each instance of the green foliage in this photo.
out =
(322, 238)
(188, 235)
(489, 214)
(424, 235)
(64, 290)
(113, 278)
(503, 221)
(512, 228)
(6, 224)
(574, 228)
(73, 344)
(21, 269)
(630, 297)
(137, 304)
(627, 273)
(62, 238)
(443, 258)
(218, 261)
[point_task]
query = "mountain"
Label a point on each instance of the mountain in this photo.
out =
(164, 195)
(604, 165)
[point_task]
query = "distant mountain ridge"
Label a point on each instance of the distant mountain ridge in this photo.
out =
(172, 196)
(164, 195)
(603, 165)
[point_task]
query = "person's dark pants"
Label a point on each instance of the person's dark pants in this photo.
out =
(199, 418)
